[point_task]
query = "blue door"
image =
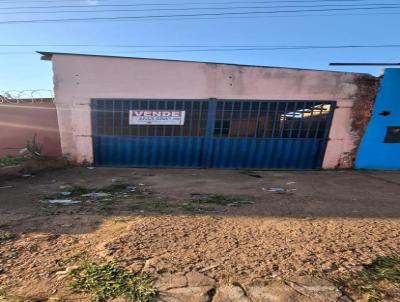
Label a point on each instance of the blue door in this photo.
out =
(237, 134)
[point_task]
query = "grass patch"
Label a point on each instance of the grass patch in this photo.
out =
(105, 206)
(194, 209)
(11, 160)
(376, 282)
(107, 281)
(3, 294)
(224, 200)
(221, 199)
(6, 235)
(69, 259)
(78, 190)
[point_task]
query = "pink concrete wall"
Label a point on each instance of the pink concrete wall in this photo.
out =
(78, 79)
(20, 122)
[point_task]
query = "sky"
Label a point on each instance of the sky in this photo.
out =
(216, 31)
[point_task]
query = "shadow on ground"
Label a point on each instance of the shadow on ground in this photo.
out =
(230, 225)
(308, 194)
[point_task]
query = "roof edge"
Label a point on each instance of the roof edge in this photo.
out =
(45, 56)
(48, 56)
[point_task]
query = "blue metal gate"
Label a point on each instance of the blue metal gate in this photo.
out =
(216, 134)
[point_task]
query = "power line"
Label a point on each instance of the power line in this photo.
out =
(224, 49)
(202, 8)
(167, 4)
(269, 16)
(284, 16)
(165, 17)
(266, 48)
(207, 46)
(185, 3)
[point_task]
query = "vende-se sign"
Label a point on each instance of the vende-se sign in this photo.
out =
(156, 117)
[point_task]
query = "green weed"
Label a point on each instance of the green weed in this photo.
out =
(195, 209)
(107, 281)
(150, 206)
(5, 235)
(105, 207)
(221, 199)
(69, 259)
(11, 160)
(3, 294)
(78, 190)
(374, 280)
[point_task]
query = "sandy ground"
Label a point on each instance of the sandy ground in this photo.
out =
(328, 223)
(245, 249)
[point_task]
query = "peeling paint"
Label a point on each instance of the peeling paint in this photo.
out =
(157, 79)
(363, 102)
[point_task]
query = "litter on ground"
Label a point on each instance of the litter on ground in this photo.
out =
(278, 190)
(275, 190)
(65, 187)
(96, 195)
(131, 188)
(63, 201)
(65, 193)
(238, 203)
(76, 194)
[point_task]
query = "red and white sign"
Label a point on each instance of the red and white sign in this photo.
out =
(156, 117)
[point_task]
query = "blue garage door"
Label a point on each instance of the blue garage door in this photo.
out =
(236, 134)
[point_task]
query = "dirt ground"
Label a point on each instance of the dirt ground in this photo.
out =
(325, 223)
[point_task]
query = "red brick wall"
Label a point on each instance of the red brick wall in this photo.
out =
(19, 122)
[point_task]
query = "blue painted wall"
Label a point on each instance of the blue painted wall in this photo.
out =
(373, 152)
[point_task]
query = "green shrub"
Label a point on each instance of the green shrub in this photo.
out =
(108, 281)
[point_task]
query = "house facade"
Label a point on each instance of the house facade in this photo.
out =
(380, 146)
(118, 111)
